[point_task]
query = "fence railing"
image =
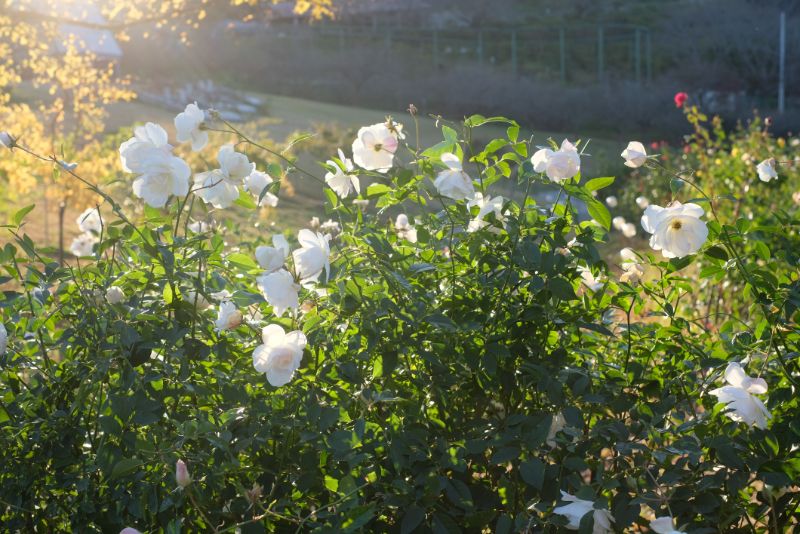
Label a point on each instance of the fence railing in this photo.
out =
(572, 53)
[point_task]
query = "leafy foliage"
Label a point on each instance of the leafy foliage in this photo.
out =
(451, 384)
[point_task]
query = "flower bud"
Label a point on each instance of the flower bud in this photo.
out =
(7, 140)
(115, 295)
(182, 474)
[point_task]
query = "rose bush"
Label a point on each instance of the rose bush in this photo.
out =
(482, 369)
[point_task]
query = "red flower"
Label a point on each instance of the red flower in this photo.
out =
(680, 99)
(655, 145)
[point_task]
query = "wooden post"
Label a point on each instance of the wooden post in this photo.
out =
(435, 48)
(601, 45)
(514, 66)
(562, 54)
(637, 55)
(782, 63)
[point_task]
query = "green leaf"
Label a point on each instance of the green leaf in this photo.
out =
(599, 213)
(125, 466)
(717, 252)
(412, 519)
(242, 261)
(20, 214)
(595, 184)
(532, 472)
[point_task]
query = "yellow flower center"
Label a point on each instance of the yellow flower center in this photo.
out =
(676, 225)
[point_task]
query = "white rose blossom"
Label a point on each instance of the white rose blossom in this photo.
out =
(612, 202)
(374, 147)
(189, 127)
(312, 257)
(664, 525)
(577, 508)
(628, 230)
(160, 173)
(677, 230)
(486, 205)
(454, 183)
(83, 245)
(90, 221)
(343, 182)
(642, 202)
(220, 187)
(635, 155)
(632, 269)
(255, 183)
(739, 396)
(766, 170)
(199, 227)
(280, 354)
(228, 316)
(280, 291)
(272, 258)
(115, 295)
(559, 165)
(197, 300)
(405, 230)
(592, 282)
(618, 222)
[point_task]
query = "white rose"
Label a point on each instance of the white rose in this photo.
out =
(629, 230)
(577, 508)
(559, 165)
(642, 202)
(272, 258)
(592, 282)
(255, 184)
(280, 354)
(188, 127)
(677, 229)
(664, 525)
(618, 222)
(374, 148)
(454, 183)
(766, 170)
(342, 181)
(160, 173)
(115, 295)
(280, 290)
(312, 256)
(740, 397)
(486, 205)
(632, 269)
(83, 245)
(197, 300)
(220, 187)
(612, 202)
(635, 155)
(90, 221)
(404, 229)
(228, 316)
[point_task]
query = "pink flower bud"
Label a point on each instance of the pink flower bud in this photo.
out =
(182, 474)
(680, 99)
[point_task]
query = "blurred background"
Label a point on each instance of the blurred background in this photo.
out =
(78, 74)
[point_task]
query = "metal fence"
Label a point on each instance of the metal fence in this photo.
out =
(579, 53)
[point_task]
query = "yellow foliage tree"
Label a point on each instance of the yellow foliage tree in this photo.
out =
(54, 90)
